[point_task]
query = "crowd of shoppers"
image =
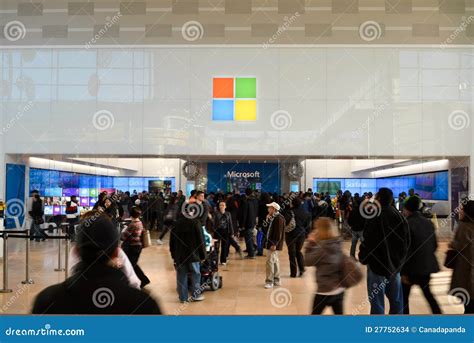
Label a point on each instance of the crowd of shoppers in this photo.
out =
(397, 244)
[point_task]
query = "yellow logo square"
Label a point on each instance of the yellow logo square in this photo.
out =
(245, 110)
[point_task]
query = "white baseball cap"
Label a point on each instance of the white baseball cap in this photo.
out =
(274, 205)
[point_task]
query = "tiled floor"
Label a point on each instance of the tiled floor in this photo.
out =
(243, 291)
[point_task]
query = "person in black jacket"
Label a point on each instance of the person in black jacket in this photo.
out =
(224, 233)
(188, 249)
(421, 261)
(384, 250)
(296, 237)
(356, 222)
(96, 286)
(248, 220)
(36, 215)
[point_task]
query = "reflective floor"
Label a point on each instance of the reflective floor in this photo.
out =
(242, 292)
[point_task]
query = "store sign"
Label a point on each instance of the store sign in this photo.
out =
(234, 99)
(234, 173)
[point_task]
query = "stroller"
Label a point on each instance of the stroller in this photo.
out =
(210, 269)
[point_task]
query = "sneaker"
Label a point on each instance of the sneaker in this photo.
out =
(241, 254)
(159, 241)
(248, 257)
(268, 285)
(277, 284)
(184, 301)
(199, 298)
(224, 264)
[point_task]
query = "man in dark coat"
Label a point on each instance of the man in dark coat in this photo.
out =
(248, 219)
(384, 250)
(274, 244)
(188, 249)
(421, 260)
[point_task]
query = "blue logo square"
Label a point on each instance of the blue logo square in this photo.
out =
(223, 110)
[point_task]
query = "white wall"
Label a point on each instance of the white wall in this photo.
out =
(342, 101)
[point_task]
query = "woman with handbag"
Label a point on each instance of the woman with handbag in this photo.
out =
(132, 243)
(36, 214)
(324, 251)
(462, 257)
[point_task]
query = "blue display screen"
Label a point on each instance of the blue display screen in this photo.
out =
(430, 186)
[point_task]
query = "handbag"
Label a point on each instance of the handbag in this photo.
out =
(146, 238)
(450, 260)
(351, 272)
(292, 224)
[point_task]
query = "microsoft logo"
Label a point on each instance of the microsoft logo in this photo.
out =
(234, 98)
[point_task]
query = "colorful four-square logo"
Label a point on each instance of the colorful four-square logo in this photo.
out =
(234, 98)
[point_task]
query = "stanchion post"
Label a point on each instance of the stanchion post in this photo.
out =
(5, 265)
(27, 280)
(66, 259)
(59, 269)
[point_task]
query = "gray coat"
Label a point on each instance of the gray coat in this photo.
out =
(327, 257)
(463, 272)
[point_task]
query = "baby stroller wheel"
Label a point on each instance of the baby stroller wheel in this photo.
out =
(215, 281)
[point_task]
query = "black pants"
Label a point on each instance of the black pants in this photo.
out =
(335, 301)
(295, 245)
(166, 228)
(133, 253)
(424, 282)
(156, 218)
(226, 240)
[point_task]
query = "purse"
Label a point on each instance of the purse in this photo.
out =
(351, 272)
(450, 260)
(292, 224)
(146, 238)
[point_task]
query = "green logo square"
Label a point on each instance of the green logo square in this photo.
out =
(246, 87)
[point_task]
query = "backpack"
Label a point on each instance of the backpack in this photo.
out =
(292, 223)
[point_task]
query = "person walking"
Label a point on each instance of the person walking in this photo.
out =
(462, 283)
(384, 250)
(324, 251)
(421, 261)
(132, 244)
(224, 233)
(36, 215)
(188, 250)
(169, 217)
(274, 244)
(296, 228)
(248, 219)
(356, 223)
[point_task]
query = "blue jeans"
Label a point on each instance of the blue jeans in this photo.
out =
(249, 242)
(356, 236)
(378, 286)
(182, 271)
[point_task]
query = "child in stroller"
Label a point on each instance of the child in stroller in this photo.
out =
(210, 269)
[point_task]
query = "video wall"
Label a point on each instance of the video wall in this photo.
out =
(430, 186)
(57, 187)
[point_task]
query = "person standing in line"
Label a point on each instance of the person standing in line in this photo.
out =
(421, 261)
(356, 222)
(224, 233)
(188, 250)
(132, 244)
(296, 237)
(248, 220)
(463, 245)
(384, 250)
(36, 214)
(274, 244)
(72, 214)
(324, 251)
(262, 223)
